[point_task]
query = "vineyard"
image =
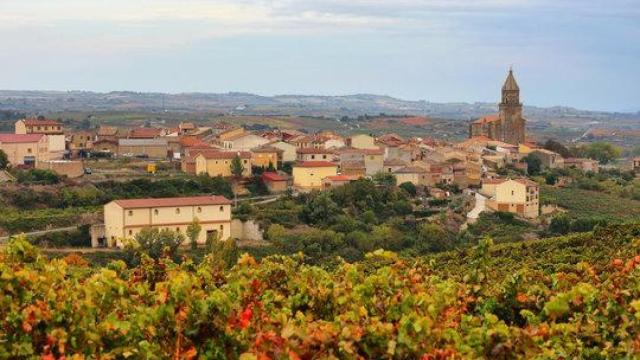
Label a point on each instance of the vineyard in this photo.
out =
(569, 297)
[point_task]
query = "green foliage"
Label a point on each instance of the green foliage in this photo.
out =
(591, 204)
(602, 151)
(236, 166)
(501, 226)
(572, 297)
(409, 188)
(193, 232)
(4, 160)
(79, 237)
(153, 243)
(534, 164)
(432, 237)
(557, 147)
(257, 187)
(384, 178)
(320, 210)
(36, 176)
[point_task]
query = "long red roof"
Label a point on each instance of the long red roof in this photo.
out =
(20, 138)
(315, 164)
(36, 122)
(171, 202)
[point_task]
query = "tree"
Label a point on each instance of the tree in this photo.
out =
(384, 178)
(551, 179)
(271, 168)
(154, 243)
(4, 160)
(193, 232)
(534, 164)
(602, 151)
(409, 187)
(236, 166)
(320, 209)
(557, 147)
(432, 238)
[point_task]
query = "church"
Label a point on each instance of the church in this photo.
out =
(508, 125)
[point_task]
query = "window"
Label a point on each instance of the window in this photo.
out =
(177, 229)
(313, 157)
(199, 209)
(245, 161)
(221, 208)
(177, 210)
(512, 192)
(221, 227)
(130, 232)
(155, 211)
(130, 212)
(324, 156)
(29, 150)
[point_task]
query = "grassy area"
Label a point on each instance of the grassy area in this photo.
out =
(591, 204)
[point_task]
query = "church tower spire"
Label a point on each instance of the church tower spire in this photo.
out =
(511, 120)
(510, 90)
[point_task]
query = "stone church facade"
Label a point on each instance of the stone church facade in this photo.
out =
(508, 125)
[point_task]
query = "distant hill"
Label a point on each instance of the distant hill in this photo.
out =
(250, 104)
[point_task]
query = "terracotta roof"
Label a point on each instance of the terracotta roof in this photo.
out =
(314, 151)
(308, 164)
(487, 119)
(411, 170)
(190, 141)
(217, 154)
(20, 138)
(526, 182)
(36, 122)
(171, 202)
(266, 149)
(144, 132)
(493, 181)
(272, 176)
(394, 162)
(342, 178)
(377, 151)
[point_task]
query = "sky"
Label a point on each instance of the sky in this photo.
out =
(580, 53)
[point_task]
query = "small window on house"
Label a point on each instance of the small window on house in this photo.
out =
(199, 209)
(311, 174)
(245, 161)
(130, 232)
(313, 157)
(221, 227)
(512, 192)
(221, 208)
(29, 150)
(177, 210)
(130, 213)
(324, 156)
(155, 211)
(177, 229)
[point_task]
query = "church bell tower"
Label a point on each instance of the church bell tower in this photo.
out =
(512, 129)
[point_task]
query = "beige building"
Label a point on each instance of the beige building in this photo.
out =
(25, 149)
(413, 174)
(549, 159)
(153, 148)
(38, 126)
(218, 163)
(314, 154)
(125, 218)
(518, 196)
(264, 155)
(288, 150)
(244, 142)
(361, 141)
(308, 175)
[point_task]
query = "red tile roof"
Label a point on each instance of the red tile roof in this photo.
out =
(20, 138)
(190, 141)
(272, 176)
(342, 178)
(311, 150)
(487, 119)
(144, 132)
(36, 122)
(171, 202)
(315, 164)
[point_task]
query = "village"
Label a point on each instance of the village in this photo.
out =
(491, 166)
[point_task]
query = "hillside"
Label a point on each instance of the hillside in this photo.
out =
(301, 105)
(557, 298)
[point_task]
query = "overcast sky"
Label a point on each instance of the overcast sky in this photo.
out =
(582, 53)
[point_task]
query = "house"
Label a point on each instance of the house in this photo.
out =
(412, 174)
(518, 196)
(266, 155)
(308, 175)
(125, 218)
(582, 164)
(391, 165)
(107, 133)
(38, 126)
(288, 150)
(353, 168)
(218, 163)
(56, 142)
(337, 180)
(79, 140)
(146, 133)
(373, 158)
(548, 158)
(227, 133)
(105, 146)
(361, 141)
(302, 141)
(314, 154)
(25, 149)
(244, 142)
(152, 148)
(275, 182)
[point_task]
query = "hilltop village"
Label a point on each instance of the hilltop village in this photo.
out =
(492, 166)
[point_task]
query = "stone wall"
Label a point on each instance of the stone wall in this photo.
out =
(245, 230)
(71, 169)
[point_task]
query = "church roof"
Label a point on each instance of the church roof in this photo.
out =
(510, 83)
(487, 119)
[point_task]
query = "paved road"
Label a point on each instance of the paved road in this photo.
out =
(480, 207)
(40, 232)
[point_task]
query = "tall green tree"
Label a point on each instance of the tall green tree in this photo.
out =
(193, 232)
(4, 160)
(236, 166)
(534, 165)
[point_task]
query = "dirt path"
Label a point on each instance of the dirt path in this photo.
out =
(39, 232)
